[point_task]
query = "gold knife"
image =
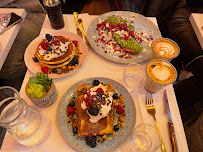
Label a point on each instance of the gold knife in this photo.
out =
(83, 31)
(76, 23)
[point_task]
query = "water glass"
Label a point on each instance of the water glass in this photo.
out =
(132, 76)
(145, 138)
(28, 125)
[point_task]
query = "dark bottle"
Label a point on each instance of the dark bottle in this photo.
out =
(53, 9)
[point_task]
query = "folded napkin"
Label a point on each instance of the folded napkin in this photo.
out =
(160, 117)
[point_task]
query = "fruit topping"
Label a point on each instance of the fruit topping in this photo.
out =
(70, 111)
(74, 61)
(44, 69)
(95, 83)
(120, 109)
(72, 104)
(87, 101)
(55, 42)
(100, 90)
(44, 45)
(93, 111)
(35, 59)
(75, 43)
(99, 95)
(115, 96)
(116, 127)
(49, 48)
(48, 37)
(91, 141)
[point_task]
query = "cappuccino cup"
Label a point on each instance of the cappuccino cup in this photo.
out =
(159, 73)
(165, 49)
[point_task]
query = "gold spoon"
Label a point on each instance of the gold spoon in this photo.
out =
(83, 31)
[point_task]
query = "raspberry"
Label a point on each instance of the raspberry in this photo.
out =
(44, 45)
(100, 90)
(87, 101)
(70, 111)
(55, 42)
(75, 43)
(44, 69)
(120, 109)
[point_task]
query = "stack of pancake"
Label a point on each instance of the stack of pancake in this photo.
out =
(58, 52)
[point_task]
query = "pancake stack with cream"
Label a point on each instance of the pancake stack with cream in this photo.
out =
(55, 51)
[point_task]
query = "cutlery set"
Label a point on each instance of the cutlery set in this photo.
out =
(151, 110)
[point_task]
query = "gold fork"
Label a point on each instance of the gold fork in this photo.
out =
(151, 110)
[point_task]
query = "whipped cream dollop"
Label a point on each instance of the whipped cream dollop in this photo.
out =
(57, 51)
(105, 108)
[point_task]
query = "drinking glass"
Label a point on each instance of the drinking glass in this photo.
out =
(28, 125)
(132, 77)
(145, 138)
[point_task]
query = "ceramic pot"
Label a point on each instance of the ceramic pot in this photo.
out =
(47, 99)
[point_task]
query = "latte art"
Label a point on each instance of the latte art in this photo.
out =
(165, 48)
(161, 72)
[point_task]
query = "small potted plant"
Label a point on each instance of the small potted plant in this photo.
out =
(41, 90)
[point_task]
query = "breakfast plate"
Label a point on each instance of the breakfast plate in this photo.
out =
(35, 67)
(142, 26)
(79, 143)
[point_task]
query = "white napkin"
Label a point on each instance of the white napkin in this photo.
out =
(160, 117)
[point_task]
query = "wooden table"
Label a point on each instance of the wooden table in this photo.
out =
(8, 37)
(97, 66)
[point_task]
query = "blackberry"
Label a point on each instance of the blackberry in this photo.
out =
(93, 111)
(115, 96)
(116, 128)
(95, 83)
(49, 48)
(74, 61)
(48, 37)
(99, 95)
(35, 59)
(72, 104)
(55, 70)
(75, 130)
(91, 141)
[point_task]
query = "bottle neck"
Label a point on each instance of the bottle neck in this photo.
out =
(12, 112)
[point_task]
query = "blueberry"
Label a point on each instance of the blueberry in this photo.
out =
(75, 130)
(95, 83)
(74, 61)
(35, 59)
(48, 37)
(93, 111)
(116, 127)
(72, 104)
(99, 95)
(115, 96)
(91, 141)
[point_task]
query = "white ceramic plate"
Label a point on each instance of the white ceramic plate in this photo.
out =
(31, 49)
(110, 144)
(140, 24)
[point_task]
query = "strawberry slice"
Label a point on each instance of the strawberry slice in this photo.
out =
(70, 110)
(132, 52)
(100, 90)
(44, 45)
(75, 43)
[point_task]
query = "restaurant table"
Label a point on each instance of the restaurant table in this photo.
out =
(97, 66)
(196, 21)
(7, 38)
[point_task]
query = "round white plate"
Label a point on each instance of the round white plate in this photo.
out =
(140, 24)
(35, 67)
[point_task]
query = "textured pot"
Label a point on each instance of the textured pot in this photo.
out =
(47, 99)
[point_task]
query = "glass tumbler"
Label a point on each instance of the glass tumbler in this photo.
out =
(132, 77)
(26, 124)
(145, 138)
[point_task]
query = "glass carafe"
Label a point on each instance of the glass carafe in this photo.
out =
(26, 124)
